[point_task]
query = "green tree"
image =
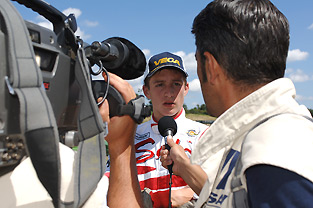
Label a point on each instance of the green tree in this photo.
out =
(199, 109)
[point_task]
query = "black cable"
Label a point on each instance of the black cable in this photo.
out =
(108, 82)
(170, 190)
(170, 170)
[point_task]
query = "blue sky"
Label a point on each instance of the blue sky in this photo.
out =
(158, 26)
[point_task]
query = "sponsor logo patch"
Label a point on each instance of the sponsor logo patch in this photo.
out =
(142, 136)
(192, 133)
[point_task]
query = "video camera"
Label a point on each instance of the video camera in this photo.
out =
(57, 54)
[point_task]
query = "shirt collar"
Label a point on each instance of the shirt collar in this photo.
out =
(178, 117)
(275, 97)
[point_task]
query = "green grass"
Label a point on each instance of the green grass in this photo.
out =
(200, 117)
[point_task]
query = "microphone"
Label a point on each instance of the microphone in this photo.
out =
(167, 126)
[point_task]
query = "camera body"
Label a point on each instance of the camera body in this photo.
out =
(58, 69)
(56, 55)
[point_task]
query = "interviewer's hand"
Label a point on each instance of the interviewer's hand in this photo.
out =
(177, 155)
(192, 174)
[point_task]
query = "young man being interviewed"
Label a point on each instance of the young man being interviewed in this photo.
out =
(166, 86)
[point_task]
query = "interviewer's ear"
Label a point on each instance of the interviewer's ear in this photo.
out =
(211, 67)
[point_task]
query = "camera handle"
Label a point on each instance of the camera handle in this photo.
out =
(57, 18)
(136, 108)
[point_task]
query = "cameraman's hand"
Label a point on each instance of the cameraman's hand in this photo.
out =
(123, 180)
(121, 128)
(104, 110)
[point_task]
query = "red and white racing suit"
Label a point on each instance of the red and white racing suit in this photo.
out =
(148, 144)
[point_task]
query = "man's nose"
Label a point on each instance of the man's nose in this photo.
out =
(169, 91)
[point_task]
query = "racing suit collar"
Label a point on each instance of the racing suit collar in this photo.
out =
(154, 124)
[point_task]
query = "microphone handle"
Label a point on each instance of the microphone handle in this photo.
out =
(169, 167)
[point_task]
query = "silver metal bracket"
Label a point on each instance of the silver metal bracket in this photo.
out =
(10, 88)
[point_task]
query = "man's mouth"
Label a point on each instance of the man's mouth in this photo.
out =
(169, 103)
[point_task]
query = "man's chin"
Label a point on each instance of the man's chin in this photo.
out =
(171, 112)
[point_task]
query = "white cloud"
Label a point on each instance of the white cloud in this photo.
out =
(43, 22)
(147, 52)
(303, 98)
(41, 18)
(90, 23)
(194, 85)
(189, 60)
(137, 84)
(46, 24)
(75, 11)
(297, 75)
(82, 34)
(297, 55)
(310, 27)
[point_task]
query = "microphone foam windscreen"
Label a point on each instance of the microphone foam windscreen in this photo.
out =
(167, 123)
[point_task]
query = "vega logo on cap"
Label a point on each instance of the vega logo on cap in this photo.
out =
(165, 60)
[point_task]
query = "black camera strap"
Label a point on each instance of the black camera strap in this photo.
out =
(24, 81)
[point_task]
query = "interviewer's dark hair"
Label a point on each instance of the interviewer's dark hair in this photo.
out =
(248, 38)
